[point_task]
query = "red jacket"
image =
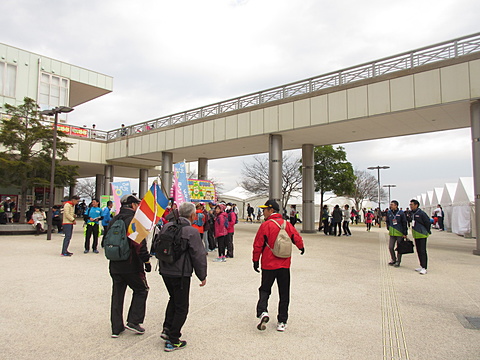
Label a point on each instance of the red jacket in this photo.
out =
(231, 224)
(271, 230)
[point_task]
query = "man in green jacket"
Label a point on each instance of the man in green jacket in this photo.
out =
(420, 232)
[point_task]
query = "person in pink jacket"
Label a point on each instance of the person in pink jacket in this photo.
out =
(273, 268)
(221, 231)
(232, 220)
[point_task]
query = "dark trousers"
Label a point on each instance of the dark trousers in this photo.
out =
(222, 240)
(58, 223)
(177, 308)
(67, 229)
(346, 229)
(440, 223)
(335, 225)
(91, 229)
(395, 240)
(211, 239)
(283, 282)
(229, 245)
(136, 314)
(421, 245)
(103, 237)
(326, 227)
(293, 220)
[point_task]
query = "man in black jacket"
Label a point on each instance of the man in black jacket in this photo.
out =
(129, 273)
(177, 276)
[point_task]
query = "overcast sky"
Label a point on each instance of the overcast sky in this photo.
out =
(171, 56)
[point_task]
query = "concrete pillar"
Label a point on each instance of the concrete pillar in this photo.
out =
(167, 171)
(308, 189)
(475, 120)
(108, 179)
(99, 185)
(275, 169)
(202, 169)
(143, 182)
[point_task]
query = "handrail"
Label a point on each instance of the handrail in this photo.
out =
(408, 60)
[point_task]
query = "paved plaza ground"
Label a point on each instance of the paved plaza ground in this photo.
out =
(346, 303)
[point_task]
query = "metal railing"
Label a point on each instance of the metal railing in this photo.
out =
(408, 60)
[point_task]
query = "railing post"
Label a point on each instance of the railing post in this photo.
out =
(340, 81)
(455, 48)
(411, 60)
(373, 70)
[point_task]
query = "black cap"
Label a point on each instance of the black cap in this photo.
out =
(130, 199)
(271, 204)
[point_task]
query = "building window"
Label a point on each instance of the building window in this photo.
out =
(8, 79)
(53, 91)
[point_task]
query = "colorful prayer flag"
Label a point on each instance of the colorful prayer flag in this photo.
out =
(148, 213)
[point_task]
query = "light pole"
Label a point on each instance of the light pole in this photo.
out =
(53, 112)
(378, 178)
(389, 186)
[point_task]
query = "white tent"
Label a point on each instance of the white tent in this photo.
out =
(423, 200)
(463, 213)
(437, 195)
(447, 204)
(427, 207)
(241, 197)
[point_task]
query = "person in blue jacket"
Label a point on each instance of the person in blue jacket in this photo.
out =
(106, 217)
(93, 215)
(421, 229)
(397, 229)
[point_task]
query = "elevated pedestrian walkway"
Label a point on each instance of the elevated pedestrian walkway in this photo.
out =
(346, 303)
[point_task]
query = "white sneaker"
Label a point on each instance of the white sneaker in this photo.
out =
(418, 269)
(281, 326)
(264, 318)
(423, 271)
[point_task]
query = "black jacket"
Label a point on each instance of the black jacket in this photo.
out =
(138, 252)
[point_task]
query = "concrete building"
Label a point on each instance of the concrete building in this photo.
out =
(51, 83)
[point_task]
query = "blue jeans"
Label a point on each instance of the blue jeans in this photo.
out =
(67, 229)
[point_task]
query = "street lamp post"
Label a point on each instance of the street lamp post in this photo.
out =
(389, 186)
(378, 178)
(53, 112)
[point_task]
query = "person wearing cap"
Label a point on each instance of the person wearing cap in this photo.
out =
(273, 268)
(68, 222)
(131, 273)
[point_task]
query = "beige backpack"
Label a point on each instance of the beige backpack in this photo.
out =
(282, 247)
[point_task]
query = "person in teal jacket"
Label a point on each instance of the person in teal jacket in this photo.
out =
(397, 229)
(93, 215)
(420, 231)
(106, 217)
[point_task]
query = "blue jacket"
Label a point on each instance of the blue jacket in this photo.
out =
(107, 216)
(93, 212)
(397, 223)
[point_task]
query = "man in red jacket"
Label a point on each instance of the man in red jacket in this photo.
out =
(273, 268)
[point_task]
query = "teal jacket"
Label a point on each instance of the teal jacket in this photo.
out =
(420, 224)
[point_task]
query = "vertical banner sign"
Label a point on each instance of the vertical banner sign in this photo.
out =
(118, 190)
(180, 184)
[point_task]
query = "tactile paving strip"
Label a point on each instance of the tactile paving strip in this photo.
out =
(394, 344)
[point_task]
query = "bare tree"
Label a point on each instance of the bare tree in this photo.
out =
(86, 188)
(366, 188)
(255, 177)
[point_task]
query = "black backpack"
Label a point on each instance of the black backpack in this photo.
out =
(168, 245)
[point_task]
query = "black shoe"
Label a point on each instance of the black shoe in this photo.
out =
(117, 334)
(397, 264)
(172, 347)
(164, 335)
(136, 328)
(391, 263)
